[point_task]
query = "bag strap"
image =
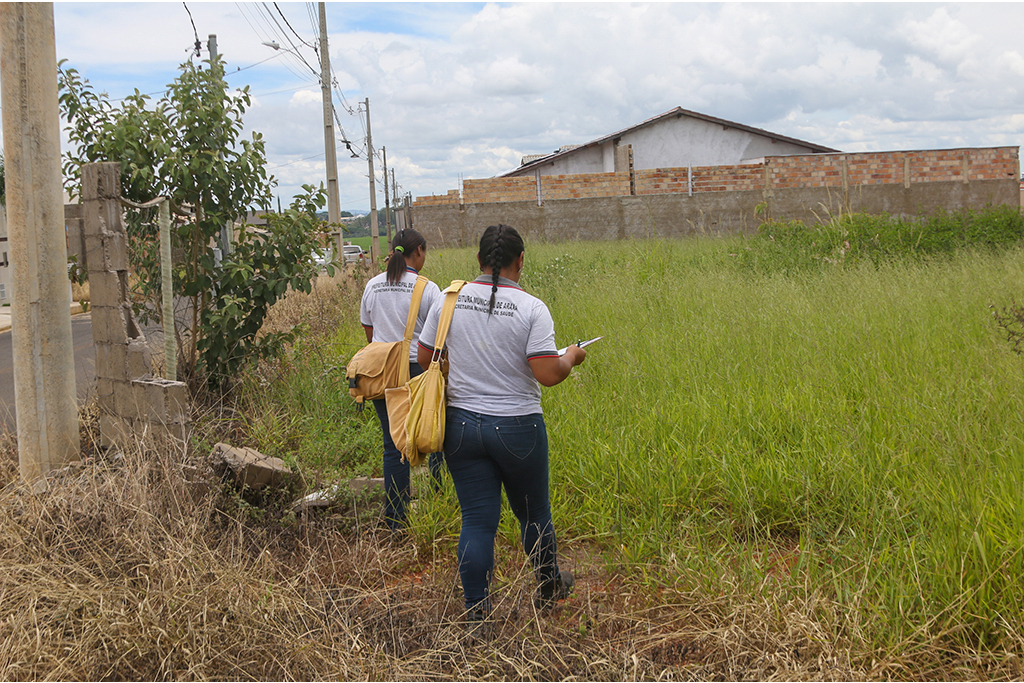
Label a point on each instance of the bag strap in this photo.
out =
(451, 297)
(414, 306)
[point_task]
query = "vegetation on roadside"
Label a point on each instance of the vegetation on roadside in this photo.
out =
(189, 147)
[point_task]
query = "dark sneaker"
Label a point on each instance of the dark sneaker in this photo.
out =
(548, 594)
(477, 625)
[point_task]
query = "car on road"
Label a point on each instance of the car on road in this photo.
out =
(353, 253)
(321, 257)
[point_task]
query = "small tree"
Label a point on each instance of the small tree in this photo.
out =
(189, 147)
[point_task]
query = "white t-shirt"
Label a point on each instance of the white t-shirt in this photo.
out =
(488, 354)
(385, 308)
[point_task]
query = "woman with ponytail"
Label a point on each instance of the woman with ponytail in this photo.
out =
(383, 313)
(501, 348)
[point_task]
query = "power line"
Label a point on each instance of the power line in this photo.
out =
(264, 36)
(290, 27)
(295, 48)
(273, 56)
(199, 44)
(289, 163)
(278, 92)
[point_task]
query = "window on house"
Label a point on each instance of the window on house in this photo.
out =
(3, 291)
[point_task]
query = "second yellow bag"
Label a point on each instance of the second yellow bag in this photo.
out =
(381, 365)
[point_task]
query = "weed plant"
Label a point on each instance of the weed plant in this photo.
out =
(298, 408)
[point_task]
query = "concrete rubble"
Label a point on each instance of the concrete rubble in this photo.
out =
(250, 468)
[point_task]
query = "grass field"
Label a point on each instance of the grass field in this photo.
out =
(848, 432)
(796, 455)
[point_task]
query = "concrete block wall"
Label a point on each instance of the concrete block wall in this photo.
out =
(670, 215)
(134, 405)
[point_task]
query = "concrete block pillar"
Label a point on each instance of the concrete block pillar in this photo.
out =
(44, 364)
(134, 405)
(624, 164)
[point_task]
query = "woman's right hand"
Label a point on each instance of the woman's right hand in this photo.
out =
(577, 354)
(553, 369)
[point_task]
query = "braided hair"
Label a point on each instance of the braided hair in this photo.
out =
(500, 245)
(405, 243)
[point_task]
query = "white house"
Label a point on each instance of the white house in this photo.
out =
(674, 139)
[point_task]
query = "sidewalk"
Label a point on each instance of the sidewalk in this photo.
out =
(5, 317)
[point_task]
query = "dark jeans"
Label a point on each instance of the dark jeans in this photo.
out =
(396, 472)
(483, 454)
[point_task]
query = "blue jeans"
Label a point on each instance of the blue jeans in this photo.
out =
(484, 453)
(396, 472)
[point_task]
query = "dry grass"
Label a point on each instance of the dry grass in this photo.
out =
(126, 568)
(322, 308)
(80, 292)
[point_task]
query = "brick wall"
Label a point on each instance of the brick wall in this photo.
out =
(439, 200)
(584, 185)
(499, 190)
(705, 179)
(775, 173)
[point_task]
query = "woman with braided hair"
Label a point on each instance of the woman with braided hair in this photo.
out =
(384, 312)
(501, 348)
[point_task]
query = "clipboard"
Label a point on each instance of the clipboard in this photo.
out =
(581, 344)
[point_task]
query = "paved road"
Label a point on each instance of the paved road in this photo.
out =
(85, 366)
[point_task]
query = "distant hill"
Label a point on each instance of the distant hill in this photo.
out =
(360, 227)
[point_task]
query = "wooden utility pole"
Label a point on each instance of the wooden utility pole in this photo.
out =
(387, 202)
(333, 203)
(44, 360)
(375, 242)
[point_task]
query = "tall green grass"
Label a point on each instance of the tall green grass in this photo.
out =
(853, 429)
(760, 416)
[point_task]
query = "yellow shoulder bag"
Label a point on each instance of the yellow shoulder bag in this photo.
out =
(382, 365)
(416, 410)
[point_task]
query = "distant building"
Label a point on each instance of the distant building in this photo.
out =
(677, 138)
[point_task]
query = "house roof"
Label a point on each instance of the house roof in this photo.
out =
(678, 112)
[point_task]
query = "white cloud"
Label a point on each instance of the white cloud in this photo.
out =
(468, 89)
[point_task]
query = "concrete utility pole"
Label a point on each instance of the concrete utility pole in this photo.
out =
(44, 362)
(387, 202)
(394, 196)
(375, 243)
(333, 203)
(225, 230)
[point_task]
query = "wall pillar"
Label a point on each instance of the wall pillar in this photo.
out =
(44, 363)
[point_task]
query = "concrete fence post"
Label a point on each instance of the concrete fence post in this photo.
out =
(44, 363)
(167, 293)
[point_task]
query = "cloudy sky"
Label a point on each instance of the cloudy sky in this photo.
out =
(467, 89)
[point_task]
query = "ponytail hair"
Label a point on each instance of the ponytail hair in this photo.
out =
(405, 243)
(500, 245)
